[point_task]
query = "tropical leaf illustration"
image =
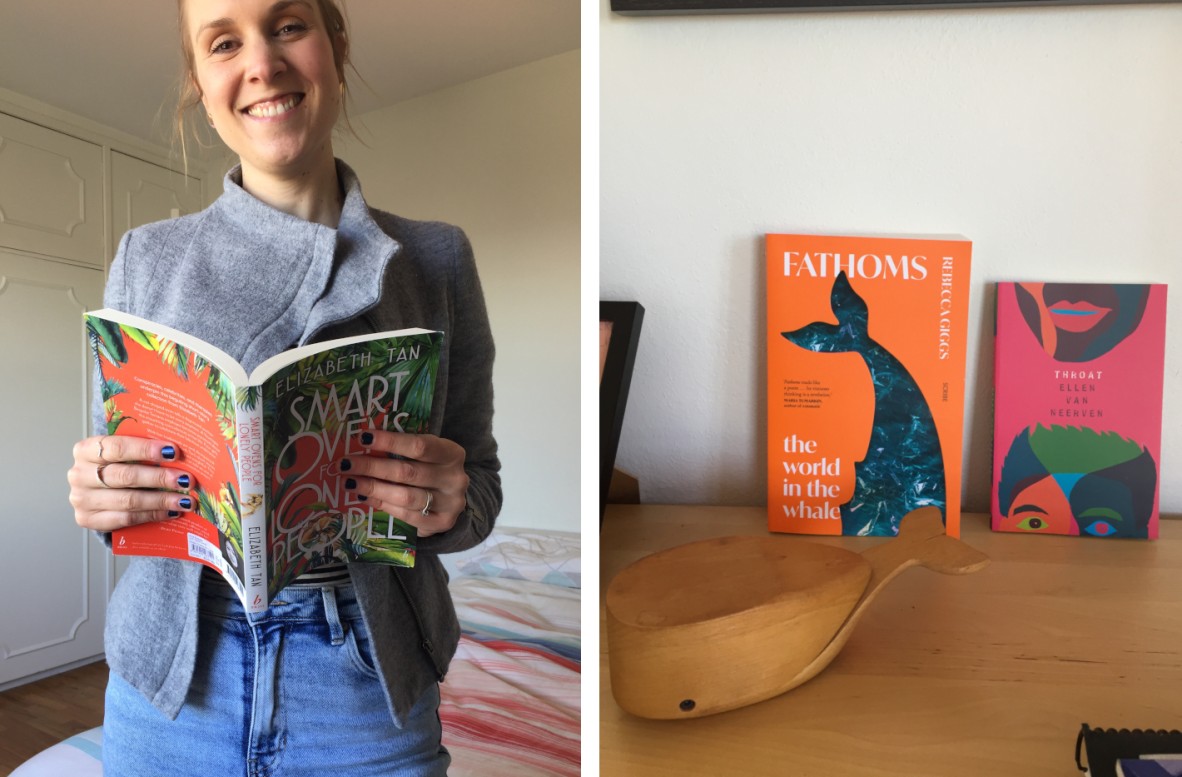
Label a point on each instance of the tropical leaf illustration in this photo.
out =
(230, 522)
(146, 339)
(106, 340)
(249, 396)
(112, 388)
(207, 507)
(352, 547)
(176, 357)
(221, 391)
(418, 398)
(114, 415)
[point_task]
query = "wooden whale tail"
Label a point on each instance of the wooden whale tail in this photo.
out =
(921, 541)
(930, 546)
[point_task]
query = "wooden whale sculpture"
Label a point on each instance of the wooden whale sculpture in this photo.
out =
(714, 625)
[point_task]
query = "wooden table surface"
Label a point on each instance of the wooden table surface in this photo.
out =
(987, 674)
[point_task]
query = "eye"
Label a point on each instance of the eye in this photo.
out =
(1105, 521)
(292, 28)
(222, 45)
(1033, 523)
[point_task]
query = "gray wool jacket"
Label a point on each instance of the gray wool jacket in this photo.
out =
(254, 281)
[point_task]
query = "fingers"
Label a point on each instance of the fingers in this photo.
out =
(425, 486)
(118, 509)
(115, 482)
(111, 448)
(120, 476)
(426, 448)
(110, 521)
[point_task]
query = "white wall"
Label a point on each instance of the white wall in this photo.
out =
(1052, 137)
(499, 156)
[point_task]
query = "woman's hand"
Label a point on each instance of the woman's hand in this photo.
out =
(116, 482)
(417, 478)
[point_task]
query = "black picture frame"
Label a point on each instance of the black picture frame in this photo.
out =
(619, 336)
(650, 7)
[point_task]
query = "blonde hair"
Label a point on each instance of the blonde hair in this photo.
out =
(189, 94)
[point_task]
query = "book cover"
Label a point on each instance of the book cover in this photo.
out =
(263, 450)
(1078, 376)
(866, 361)
(1150, 766)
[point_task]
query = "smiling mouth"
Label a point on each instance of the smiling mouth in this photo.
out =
(268, 109)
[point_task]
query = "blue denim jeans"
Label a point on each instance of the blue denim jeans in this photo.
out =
(284, 693)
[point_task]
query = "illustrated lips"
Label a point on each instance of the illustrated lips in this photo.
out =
(1077, 316)
(266, 109)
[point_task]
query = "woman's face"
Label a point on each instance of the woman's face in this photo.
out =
(268, 80)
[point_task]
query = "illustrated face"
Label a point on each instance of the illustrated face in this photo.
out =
(268, 80)
(1079, 321)
(1091, 504)
(1041, 507)
(1065, 480)
(1104, 502)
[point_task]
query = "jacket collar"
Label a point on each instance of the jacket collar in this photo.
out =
(306, 276)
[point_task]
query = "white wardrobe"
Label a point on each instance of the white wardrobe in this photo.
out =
(69, 189)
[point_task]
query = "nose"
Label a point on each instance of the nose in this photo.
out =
(264, 59)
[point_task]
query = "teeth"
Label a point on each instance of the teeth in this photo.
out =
(270, 109)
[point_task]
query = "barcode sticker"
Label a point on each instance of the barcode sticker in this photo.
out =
(204, 550)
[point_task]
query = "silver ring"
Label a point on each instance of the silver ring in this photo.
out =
(98, 473)
(427, 507)
(102, 458)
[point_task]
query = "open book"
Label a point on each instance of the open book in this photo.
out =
(263, 450)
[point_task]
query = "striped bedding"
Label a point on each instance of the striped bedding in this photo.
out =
(510, 704)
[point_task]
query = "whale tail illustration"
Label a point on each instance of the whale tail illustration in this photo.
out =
(849, 334)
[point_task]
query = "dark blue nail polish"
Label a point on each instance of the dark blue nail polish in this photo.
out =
(350, 484)
(346, 465)
(168, 452)
(367, 438)
(183, 481)
(173, 514)
(186, 504)
(362, 498)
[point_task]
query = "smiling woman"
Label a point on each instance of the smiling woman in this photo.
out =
(341, 672)
(271, 79)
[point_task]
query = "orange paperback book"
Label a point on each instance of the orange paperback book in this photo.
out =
(866, 362)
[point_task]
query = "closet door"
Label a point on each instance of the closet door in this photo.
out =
(55, 576)
(51, 192)
(142, 193)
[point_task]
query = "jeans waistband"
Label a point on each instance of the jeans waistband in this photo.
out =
(330, 604)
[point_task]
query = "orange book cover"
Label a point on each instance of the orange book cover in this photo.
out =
(866, 345)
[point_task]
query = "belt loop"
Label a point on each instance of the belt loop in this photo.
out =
(335, 630)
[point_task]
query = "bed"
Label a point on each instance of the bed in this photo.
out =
(510, 704)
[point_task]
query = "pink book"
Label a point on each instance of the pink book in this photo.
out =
(1078, 376)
